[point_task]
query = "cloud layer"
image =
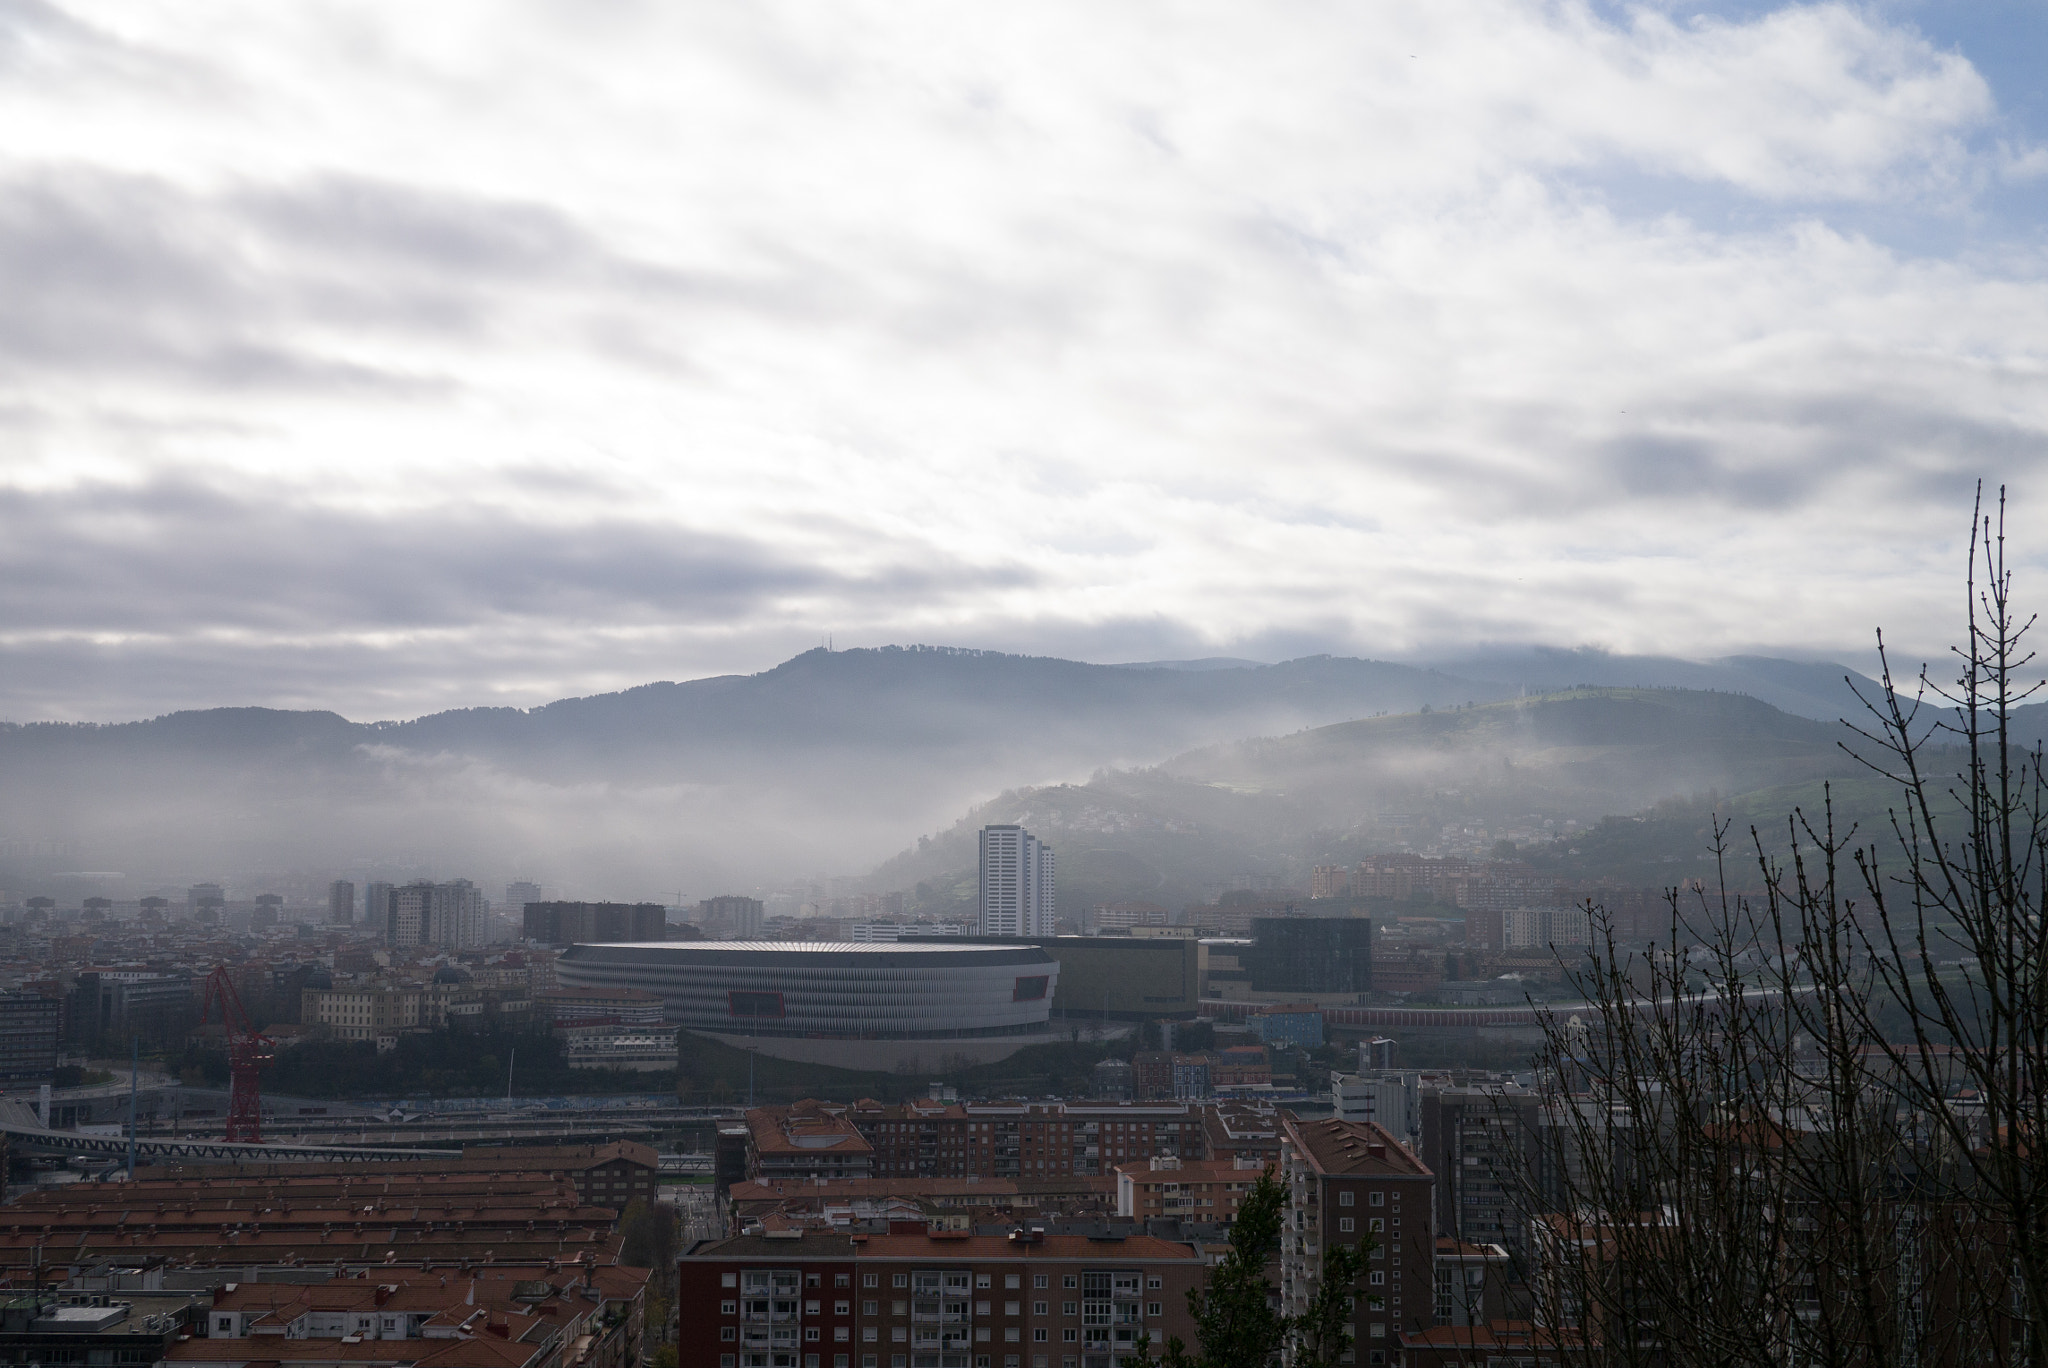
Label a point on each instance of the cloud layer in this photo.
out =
(384, 359)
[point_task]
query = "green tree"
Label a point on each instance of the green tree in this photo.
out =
(1235, 1321)
(1319, 1336)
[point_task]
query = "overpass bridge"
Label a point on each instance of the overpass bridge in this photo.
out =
(26, 1133)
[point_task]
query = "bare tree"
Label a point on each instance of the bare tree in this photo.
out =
(1802, 1128)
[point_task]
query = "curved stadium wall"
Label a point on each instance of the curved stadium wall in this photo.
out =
(841, 990)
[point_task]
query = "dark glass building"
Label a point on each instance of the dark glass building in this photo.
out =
(1310, 955)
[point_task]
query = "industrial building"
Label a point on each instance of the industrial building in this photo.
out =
(1118, 978)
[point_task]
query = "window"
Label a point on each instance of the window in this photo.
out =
(1347, 1197)
(869, 1334)
(729, 1333)
(1012, 1281)
(1377, 1330)
(981, 1280)
(870, 1360)
(870, 1280)
(1379, 1280)
(841, 1360)
(1377, 1223)
(899, 1335)
(840, 1308)
(810, 1361)
(1345, 1225)
(1069, 1336)
(1378, 1199)
(1155, 1308)
(871, 1308)
(728, 1308)
(1013, 1308)
(899, 1308)
(728, 1360)
(900, 1280)
(841, 1334)
(1040, 1280)
(1069, 1281)
(1070, 1308)
(981, 1308)
(1012, 1335)
(1155, 1283)
(1040, 1336)
(811, 1308)
(1039, 1308)
(810, 1280)
(728, 1280)
(842, 1280)
(812, 1334)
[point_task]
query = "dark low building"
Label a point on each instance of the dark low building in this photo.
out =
(574, 923)
(30, 1028)
(131, 1331)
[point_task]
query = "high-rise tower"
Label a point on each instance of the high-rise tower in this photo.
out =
(1016, 883)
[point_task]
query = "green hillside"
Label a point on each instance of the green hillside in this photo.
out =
(1588, 783)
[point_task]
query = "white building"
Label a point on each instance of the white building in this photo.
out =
(896, 931)
(1016, 883)
(1384, 1097)
(447, 914)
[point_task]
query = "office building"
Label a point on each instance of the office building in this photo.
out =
(578, 923)
(1310, 955)
(341, 903)
(1017, 884)
(519, 893)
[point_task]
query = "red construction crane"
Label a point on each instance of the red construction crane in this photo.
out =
(248, 1052)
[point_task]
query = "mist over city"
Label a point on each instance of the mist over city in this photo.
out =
(657, 662)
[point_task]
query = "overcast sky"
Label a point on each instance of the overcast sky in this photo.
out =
(393, 357)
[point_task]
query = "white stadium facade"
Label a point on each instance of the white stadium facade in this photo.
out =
(849, 1004)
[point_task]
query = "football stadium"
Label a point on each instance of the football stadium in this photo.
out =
(845, 1003)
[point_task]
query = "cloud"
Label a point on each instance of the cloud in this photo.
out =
(361, 357)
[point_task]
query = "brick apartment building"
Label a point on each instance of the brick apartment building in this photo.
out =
(1350, 1181)
(931, 1299)
(1021, 1140)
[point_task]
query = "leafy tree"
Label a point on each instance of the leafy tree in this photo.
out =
(1319, 1336)
(1235, 1322)
(647, 1237)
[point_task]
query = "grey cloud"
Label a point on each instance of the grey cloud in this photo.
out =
(138, 559)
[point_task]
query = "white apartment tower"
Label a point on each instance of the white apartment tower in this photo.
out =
(1016, 883)
(426, 913)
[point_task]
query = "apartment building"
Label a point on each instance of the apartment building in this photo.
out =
(1023, 1140)
(1483, 1143)
(1188, 1190)
(1350, 1182)
(942, 1298)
